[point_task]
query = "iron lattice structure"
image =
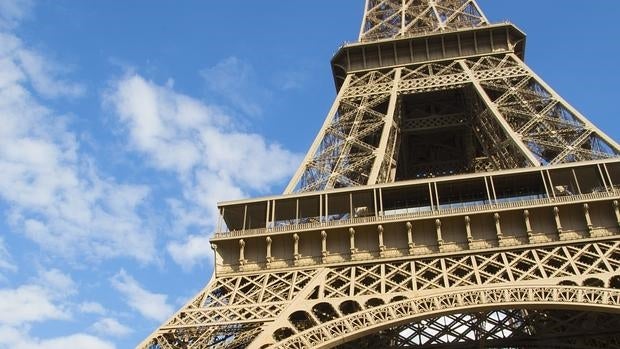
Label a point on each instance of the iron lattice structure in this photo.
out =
(451, 199)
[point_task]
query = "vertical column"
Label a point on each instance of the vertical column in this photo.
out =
(617, 211)
(558, 224)
(245, 215)
(352, 242)
(586, 214)
(220, 218)
(267, 214)
(438, 231)
(215, 259)
(296, 255)
(324, 251)
(381, 245)
(470, 238)
(556, 216)
(320, 208)
(297, 211)
(273, 213)
(410, 242)
(242, 260)
(528, 226)
(498, 229)
(268, 257)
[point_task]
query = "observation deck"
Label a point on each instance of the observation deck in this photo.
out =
(418, 218)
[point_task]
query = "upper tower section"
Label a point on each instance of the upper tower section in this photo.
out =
(433, 89)
(389, 19)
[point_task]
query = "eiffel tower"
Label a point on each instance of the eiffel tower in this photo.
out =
(452, 199)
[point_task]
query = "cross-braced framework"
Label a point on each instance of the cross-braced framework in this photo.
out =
(320, 307)
(385, 19)
(502, 328)
(451, 199)
(509, 116)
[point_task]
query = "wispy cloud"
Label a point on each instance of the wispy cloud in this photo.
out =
(235, 81)
(110, 327)
(57, 283)
(53, 194)
(290, 79)
(27, 304)
(56, 195)
(91, 308)
(188, 252)
(212, 158)
(151, 305)
(15, 338)
(12, 12)
(47, 297)
(44, 76)
(6, 260)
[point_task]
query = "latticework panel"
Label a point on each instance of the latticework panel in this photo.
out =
(434, 113)
(212, 337)
(515, 118)
(348, 144)
(396, 18)
(311, 307)
(360, 322)
(229, 312)
(552, 130)
(560, 262)
(510, 328)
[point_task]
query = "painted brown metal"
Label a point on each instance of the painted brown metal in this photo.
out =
(451, 198)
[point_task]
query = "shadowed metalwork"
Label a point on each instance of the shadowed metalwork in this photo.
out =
(451, 199)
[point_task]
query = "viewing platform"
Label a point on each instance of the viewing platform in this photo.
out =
(447, 214)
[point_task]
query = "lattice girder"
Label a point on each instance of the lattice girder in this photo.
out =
(270, 298)
(371, 319)
(500, 329)
(384, 19)
(518, 121)
(431, 90)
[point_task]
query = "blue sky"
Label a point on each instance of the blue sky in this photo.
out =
(123, 123)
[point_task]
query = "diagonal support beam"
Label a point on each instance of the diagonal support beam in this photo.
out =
(319, 138)
(508, 131)
(390, 122)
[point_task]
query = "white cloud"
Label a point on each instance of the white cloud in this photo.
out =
(44, 299)
(57, 283)
(151, 305)
(110, 327)
(91, 308)
(12, 12)
(14, 338)
(235, 80)
(38, 301)
(290, 80)
(28, 303)
(190, 251)
(43, 76)
(213, 159)
(6, 260)
(56, 195)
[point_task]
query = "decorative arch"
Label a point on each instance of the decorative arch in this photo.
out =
(364, 322)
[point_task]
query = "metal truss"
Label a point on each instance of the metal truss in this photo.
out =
(385, 19)
(501, 329)
(284, 308)
(432, 89)
(516, 118)
(373, 318)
